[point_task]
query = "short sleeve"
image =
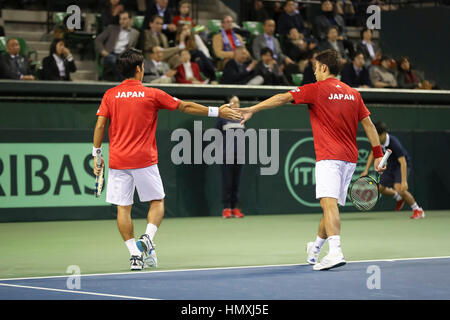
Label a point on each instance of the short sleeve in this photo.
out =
(166, 101)
(304, 94)
(104, 108)
(363, 112)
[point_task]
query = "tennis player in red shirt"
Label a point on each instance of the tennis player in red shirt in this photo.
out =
(132, 110)
(335, 110)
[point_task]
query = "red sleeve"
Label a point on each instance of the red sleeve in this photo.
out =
(363, 112)
(304, 94)
(104, 109)
(166, 101)
(181, 75)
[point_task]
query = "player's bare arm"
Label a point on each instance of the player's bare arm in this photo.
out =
(99, 133)
(374, 140)
(403, 170)
(197, 109)
(273, 102)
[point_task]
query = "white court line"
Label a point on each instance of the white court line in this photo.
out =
(217, 268)
(74, 291)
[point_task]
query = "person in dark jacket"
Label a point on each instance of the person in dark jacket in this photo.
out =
(12, 65)
(231, 172)
(59, 64)
(355, 74)
(241, 69)
(308, 74)
(409, 78)
(270, 70)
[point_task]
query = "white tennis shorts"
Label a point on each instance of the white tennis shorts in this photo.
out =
(121, 184)
(333, 178)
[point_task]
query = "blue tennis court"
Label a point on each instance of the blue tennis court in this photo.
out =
(416, 278)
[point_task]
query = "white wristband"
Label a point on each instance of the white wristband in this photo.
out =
(94, 151)
(213, 111)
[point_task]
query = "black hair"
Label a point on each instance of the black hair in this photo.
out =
(357, 53)
(381, 127)
(364, 30)
(265, 50)
(331, 59)
(128, 61)
(154, 17)
(53, 45)
(385, 58)
(333, 27)
(127, 12)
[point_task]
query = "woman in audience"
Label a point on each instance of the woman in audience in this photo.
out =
(409, 78)
(187, 71)
(59, 64)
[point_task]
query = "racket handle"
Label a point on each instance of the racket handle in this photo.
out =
(385, 158)
(99, 157)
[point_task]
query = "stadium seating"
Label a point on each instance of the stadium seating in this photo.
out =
(138, 22)
(254, 27)
(214, 26)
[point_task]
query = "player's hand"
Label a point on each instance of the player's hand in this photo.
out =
(404, 186)
(228, 113)
(98, 169)
(364, 173)
(246, 113)
(376, 163)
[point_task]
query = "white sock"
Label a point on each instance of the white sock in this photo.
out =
(335, 243)
(151, 230)
(132, 247)
(397, 197)
(318, 244)
(415, 206)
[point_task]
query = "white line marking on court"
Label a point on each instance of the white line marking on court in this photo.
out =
(73, 291)
(218, 268)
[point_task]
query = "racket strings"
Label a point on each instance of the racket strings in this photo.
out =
(364, 193)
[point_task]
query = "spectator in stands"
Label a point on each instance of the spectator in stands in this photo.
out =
(187, 71)
(267, 39)
(258, 12)
(291, 18)
(308, 73)
(297, 49)
(185, 38)
(111, 13)
(241, 69)
(184, 8)
(381, 76)
(269, 69)
(345, 9)
(59, 64)
(155, 37)
(12, 65)
(231, 173)
(355, 74)
(225, 42)
(113, 41)
(326, 19)
(334, 43)
(155, 69)
(409, 78)
(160, 8)
(370, 49)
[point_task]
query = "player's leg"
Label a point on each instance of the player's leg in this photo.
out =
(313, 248)
(120, 191)
(418, 212)
(150, 188)
(226, 190)
(387, 181)
(235, 211)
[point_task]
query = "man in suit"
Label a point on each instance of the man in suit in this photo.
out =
(355, 74)
(113, 41)
(267, 40)
(240, 69)
(160, 8)
(59, 64)
(269, 69)
(334, 43)
(291, 18)
(155, 69)
(369, 48)
(12, 65)
(155, 37)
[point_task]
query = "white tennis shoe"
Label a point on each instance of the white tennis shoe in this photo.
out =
(148, 248)
(136, 263)
(331, 260)
(312, 252)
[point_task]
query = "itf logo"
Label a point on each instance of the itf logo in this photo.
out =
(299, 169)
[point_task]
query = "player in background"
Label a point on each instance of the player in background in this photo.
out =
(335, 110)
(394, 181)
(132, 111)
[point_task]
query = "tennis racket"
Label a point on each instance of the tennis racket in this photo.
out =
(100, 179)
(365, 191)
